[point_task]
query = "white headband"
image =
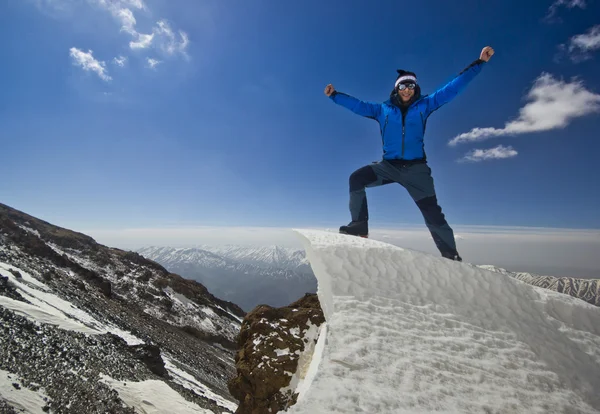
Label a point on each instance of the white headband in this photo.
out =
(405, 78)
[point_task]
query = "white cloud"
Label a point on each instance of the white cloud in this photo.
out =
(124, 15)
(587, 41)
(580, 45)
(144, 41)
(120, 11)
(570, 4)
(127, 19)
(499, 152)
(152, 63)
(164, 28)
(120, 61)
(553, 104)
(162, 34)
(138, 4)
(88, 62)
(170, 43)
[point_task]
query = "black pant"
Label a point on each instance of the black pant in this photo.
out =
(417, 179)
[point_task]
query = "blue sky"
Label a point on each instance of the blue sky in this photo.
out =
(213, 113)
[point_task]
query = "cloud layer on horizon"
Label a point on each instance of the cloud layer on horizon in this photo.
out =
(515, 248)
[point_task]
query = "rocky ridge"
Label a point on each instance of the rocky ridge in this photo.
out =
(139, 321)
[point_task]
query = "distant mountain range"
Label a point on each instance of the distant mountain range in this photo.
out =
(584, 289)
(247, 276)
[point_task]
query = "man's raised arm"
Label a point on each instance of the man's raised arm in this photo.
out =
(448, 92)
(368, 109)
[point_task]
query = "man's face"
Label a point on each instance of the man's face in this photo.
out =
(406, 91)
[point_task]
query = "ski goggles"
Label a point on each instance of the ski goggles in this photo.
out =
(408, 79)
(410, 86)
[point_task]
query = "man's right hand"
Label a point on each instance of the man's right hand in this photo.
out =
(329, 89)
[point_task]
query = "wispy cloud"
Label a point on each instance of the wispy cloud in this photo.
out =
(152, 63)
(580, 46)
(138, 4)
(171, 43)
(163, 37)
(499, 152)
(87, 62)
(587, 41)
(120, 61)
(122, 12)
(570, 4)
(143, 41)
(162, 34)
(553, 104)
(127, 19)
(55, 8)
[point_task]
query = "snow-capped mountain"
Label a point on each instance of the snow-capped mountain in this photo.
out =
(80, 321)
(266, 256)
(585, 289)
(247, 276)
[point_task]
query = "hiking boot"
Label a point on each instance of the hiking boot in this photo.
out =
(452, 256)
(356, 228)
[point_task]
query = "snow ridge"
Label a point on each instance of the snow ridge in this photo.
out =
(409, 332)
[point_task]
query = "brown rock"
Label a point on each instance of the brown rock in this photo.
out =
(270, 343)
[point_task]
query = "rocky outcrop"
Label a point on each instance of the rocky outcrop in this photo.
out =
(150, 356)
(271, 343)
(8, 290)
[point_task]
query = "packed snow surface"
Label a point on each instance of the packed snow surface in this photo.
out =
(408, 332)
(20, 398)
(188, 381)
(152, 397)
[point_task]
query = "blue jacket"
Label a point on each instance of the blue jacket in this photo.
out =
(402, 131)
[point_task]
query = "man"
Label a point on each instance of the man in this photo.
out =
(402, 121)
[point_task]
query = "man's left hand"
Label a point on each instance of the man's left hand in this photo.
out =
(486, 53)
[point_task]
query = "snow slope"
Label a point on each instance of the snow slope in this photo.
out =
(46, 307)
(148, 397)
(410, 332)
(152, 397)
(20, 397)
